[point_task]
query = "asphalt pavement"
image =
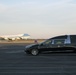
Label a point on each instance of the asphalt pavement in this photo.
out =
(14, 61)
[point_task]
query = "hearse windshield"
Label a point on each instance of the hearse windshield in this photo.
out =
(46, 41)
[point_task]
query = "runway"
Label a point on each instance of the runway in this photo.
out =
(13, 61)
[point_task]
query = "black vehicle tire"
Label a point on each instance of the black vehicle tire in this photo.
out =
(34, 52)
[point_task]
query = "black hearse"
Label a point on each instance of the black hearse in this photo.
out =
(58, 43)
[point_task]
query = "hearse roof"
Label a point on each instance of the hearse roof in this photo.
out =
(60, 37)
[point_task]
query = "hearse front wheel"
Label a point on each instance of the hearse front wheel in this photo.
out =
(34, 52)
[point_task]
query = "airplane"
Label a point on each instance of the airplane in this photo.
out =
(14, 37)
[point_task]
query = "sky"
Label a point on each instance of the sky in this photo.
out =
(38, 18)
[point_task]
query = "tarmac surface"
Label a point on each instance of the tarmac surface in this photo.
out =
(14, 61)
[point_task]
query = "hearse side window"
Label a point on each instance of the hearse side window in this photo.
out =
(68, 40)
(73, 39)
(58, 41)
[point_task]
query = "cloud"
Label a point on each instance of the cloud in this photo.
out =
(51, 15)
(30, 11)
(3, 8)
